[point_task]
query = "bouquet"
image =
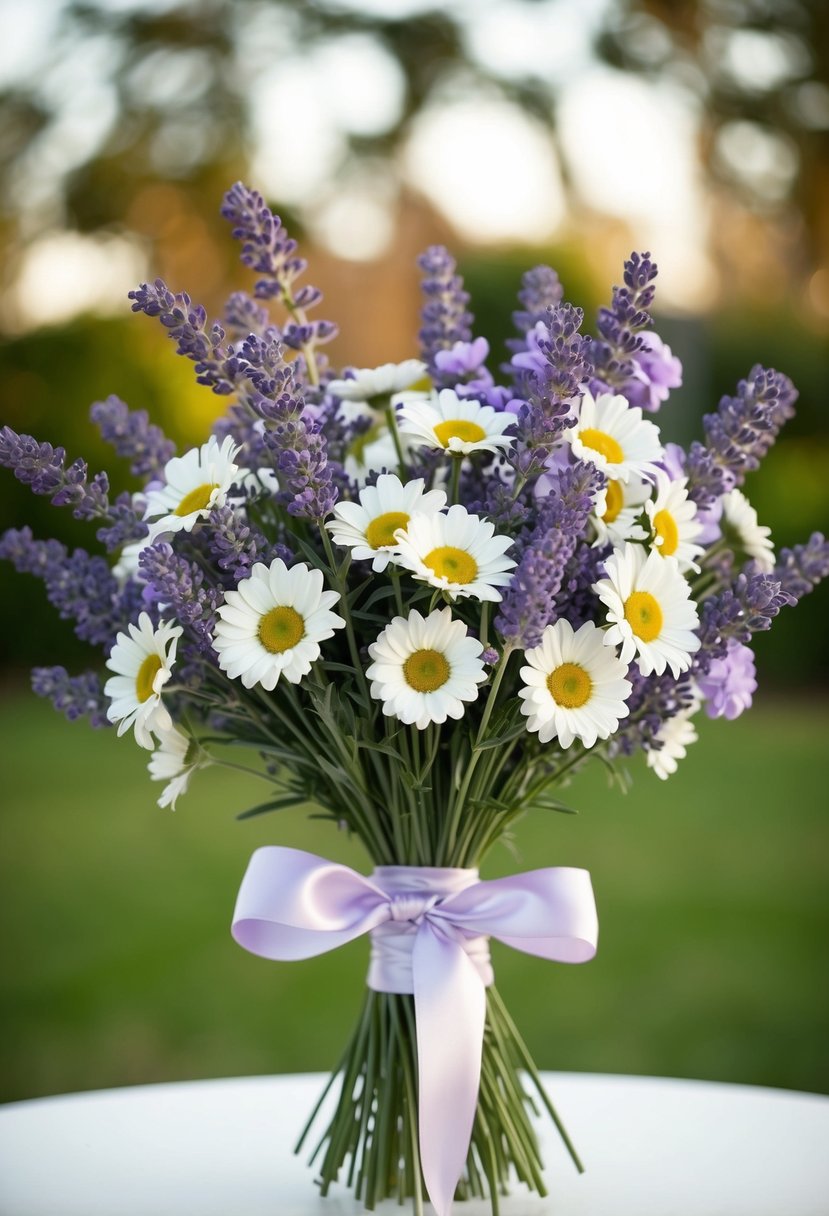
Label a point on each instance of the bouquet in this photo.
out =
(421, 596)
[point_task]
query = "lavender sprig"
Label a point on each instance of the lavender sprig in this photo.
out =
(187, 325)
(81, 587)
(180, 585)
(133, 436)
(541, 290)
(270, 252)
(653, 702)
(244, 316)
(445, 318)
(619, 325)
(800, 569)
(748, 606)
(237, 545)
(739, 434)
(550, 381)
(530, 602)
(75, 696)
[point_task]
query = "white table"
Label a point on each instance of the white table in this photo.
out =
(651, 1147)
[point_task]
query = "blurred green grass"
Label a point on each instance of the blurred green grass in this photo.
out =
(118, 968)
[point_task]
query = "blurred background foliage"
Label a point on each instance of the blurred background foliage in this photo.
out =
(514, 131)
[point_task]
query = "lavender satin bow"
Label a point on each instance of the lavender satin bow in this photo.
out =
(294, 905)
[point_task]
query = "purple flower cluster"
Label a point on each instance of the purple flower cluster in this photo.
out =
(180, 585)
(43, 467)
(133, 436)
(613, 352)
(541, 290)
(82, 588)
(729, 683)
(269, 252)
(653, 702)
(236, 545)
(801, 569)
(187, 325)
(531, 601)
(75, 696)
(463, 368)
(739, 434)
(748, 606)
(445, 318)
(552, 372)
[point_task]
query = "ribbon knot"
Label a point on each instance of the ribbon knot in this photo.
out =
(411, 906)
(429, 929)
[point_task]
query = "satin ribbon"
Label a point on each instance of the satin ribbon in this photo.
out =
(294, 905)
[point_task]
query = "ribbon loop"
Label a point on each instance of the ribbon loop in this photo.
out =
(429, 930)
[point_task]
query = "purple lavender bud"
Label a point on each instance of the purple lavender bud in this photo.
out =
(75, 696)
(653, 702)
(268, 251)
(186, 324)
(490, 656)
(801, 569)
(540, 291)
(445, 318)
(42, 467)
(244, 316)
(82, 588)
(133, 436)
(620, 326)
(729, 683)
(531, 601)
(738, 436)
(748, 606)
(180, 585)
(236, 545)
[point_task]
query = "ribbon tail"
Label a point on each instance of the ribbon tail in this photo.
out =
(450, 1011)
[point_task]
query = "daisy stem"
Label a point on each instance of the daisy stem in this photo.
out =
(451, 824)
(243, 768)
(455, 479)
(391, 419)
(340, 574)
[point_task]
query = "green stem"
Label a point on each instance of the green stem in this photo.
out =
(391, 421)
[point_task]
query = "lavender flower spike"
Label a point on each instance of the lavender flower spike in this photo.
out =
(445, 317)
(738, 436)
(540, 291)
(801, 569)
(619, 326)
(43, 467)
(75, 696)
(133, 436)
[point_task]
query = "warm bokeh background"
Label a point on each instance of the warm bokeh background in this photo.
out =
(561, 131)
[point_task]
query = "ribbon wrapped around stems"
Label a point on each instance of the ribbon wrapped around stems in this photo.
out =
(429, 928)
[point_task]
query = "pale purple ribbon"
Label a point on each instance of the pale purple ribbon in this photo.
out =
(429, 928)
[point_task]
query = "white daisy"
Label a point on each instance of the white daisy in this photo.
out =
(425, 668)
(369, 384)
(742, 532)
(673, 521)
(175, 760)
(142, 661)
(457, 552)
(676, 736)
(614, 436)
(196, 482)
(618, 508)
(574, 686)
(368, 526)
(456, 425)
(649, 609)
(272, 624)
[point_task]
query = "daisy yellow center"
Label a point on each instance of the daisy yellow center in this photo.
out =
(602, 443)
(456, 565)
(459, 428)
(423, 385)
(664, 525)
(643, 614)
(281, 629)
(426, 670)
(381, 530)
(196, 500)
(614, 502)
(147, 672)
(570, 685)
